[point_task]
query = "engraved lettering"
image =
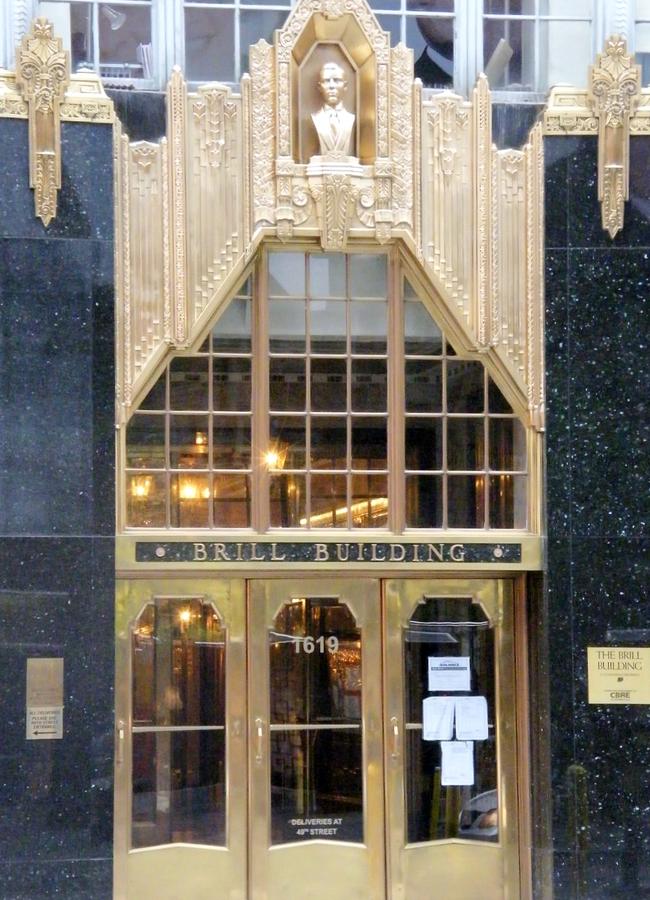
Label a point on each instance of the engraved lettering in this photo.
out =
(373, 554)
(321, 553)
(397, 552)
(254, 557)
(437, 552)
(200, 553)
(220, 552)
(457, 552)
(239, 556)
(343, 552)
(274, 553)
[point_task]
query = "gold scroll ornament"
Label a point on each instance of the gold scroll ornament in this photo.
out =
(42, 76)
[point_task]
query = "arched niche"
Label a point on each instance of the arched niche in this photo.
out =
(343, 41)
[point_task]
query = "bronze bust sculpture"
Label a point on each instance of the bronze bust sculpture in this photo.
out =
(334, 125)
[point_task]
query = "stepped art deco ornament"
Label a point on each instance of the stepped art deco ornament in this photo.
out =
(614, 88)
(333, 123)
(42, 76)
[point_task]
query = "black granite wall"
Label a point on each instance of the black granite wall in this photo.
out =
(597, 578)
(57, 516)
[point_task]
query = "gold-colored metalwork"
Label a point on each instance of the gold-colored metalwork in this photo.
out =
(43, 73)
(453, 867)
(43, 91)
(329, 868)
(167, 871)
(614, 107)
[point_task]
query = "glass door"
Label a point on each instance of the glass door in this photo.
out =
(315, 756)
(451, 777)
(180, 791)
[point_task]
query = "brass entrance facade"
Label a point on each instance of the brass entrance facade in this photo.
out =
(271, 739)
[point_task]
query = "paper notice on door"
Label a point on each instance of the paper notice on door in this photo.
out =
(457, 763)
(449, 673)
(438, 718)
(471, 719)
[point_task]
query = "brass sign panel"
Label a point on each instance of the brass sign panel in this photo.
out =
(44, 699)
(619, 674)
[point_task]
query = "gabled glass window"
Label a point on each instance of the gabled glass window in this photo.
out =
(324, 399)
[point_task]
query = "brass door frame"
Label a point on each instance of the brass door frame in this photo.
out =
(357, 868)
(167, 866)
(413, 869)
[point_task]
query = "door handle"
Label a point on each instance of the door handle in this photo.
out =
(119, 753)
(259, 736)
(395, 729)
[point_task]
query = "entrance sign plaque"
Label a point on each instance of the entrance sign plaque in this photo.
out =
(619, 675)
(44, 699)
(324, 552)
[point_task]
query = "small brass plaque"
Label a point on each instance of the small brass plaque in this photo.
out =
(619, 674)
(44, 696)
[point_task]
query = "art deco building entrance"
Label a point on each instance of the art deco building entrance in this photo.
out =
(272, 740)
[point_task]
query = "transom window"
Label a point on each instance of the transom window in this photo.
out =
(324, 399)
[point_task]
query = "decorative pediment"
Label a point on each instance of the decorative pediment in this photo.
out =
(340, 166)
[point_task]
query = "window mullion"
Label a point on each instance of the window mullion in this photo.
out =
(260, 513)
(396, 398)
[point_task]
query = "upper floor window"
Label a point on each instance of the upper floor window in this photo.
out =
(523, 45)
(325, 397)
(642, 38)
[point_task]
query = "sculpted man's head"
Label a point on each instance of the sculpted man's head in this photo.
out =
(332, 83)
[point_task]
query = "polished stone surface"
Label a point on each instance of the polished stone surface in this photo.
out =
(597, 509)
(141, 113)
(511, 123)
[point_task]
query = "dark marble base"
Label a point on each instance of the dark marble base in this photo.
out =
(65, 879)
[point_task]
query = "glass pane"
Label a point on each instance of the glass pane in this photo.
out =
(190, 499)
(188, 383)
(369, 501)
(256, 24)
(369, 443)
(146, 500)
(496, 401)
(432, 40)
(316, 786)
(448, 627)
(315, 659)
(369, 326)
(231, 442)
(466, 444)
(156, 398)
(286, 275)
(507, 445)
(232, 333)
(81, 36)
(391, 24)
(566, 51)
(509, 53)
(328, 443)
(178, 649)
(328, 385)
(125, 49)
(231, 383)
(209, 44)
(232, 501)
(423, 385)
(432, 6)
(327, 275)
(188, 442)
(288, 445)
(465, 387)
(328, 501)
(145, 442)
(507, 501)
(287, 326)
(368, 275)
(287, 384)
(422, 337)
(288, 501)
(179, 788)
(424, 501)
(328, 326)
(466, 501)
(369, 385)
(423, 441)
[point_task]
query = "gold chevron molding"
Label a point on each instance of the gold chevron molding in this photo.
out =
(43, 91)
(614, 107)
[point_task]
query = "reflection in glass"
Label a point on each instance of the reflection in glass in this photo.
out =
(231, 442)
(178, 664)
(209, 44)
(423, 385)
(369, 385)
(328, 385)
(423, 443)
(286, 275)
(507, 501)
(369, 501)
(287, 326)
(328, 501)
(368, 326)
(232, 500)
(369, 442)
(189, 500)
(507, 445)
(188, 383)
(327, 275)
(328, 442)
(448, 627)
(287, 501)
(287, 435)
(146, 500)
(368, 275)
(422, 337)
(287, 384)
(465, 388)
(316, 680)
(328, 326)
(145, 442)
(188, 442)
(465, 444)
(231, 383)
(232, 333)
(424, 501)
(466, 501)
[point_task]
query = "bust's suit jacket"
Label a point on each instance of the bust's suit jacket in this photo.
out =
(334, 129)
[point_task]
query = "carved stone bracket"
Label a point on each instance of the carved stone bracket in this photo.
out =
(43, 73)
(614, 107)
